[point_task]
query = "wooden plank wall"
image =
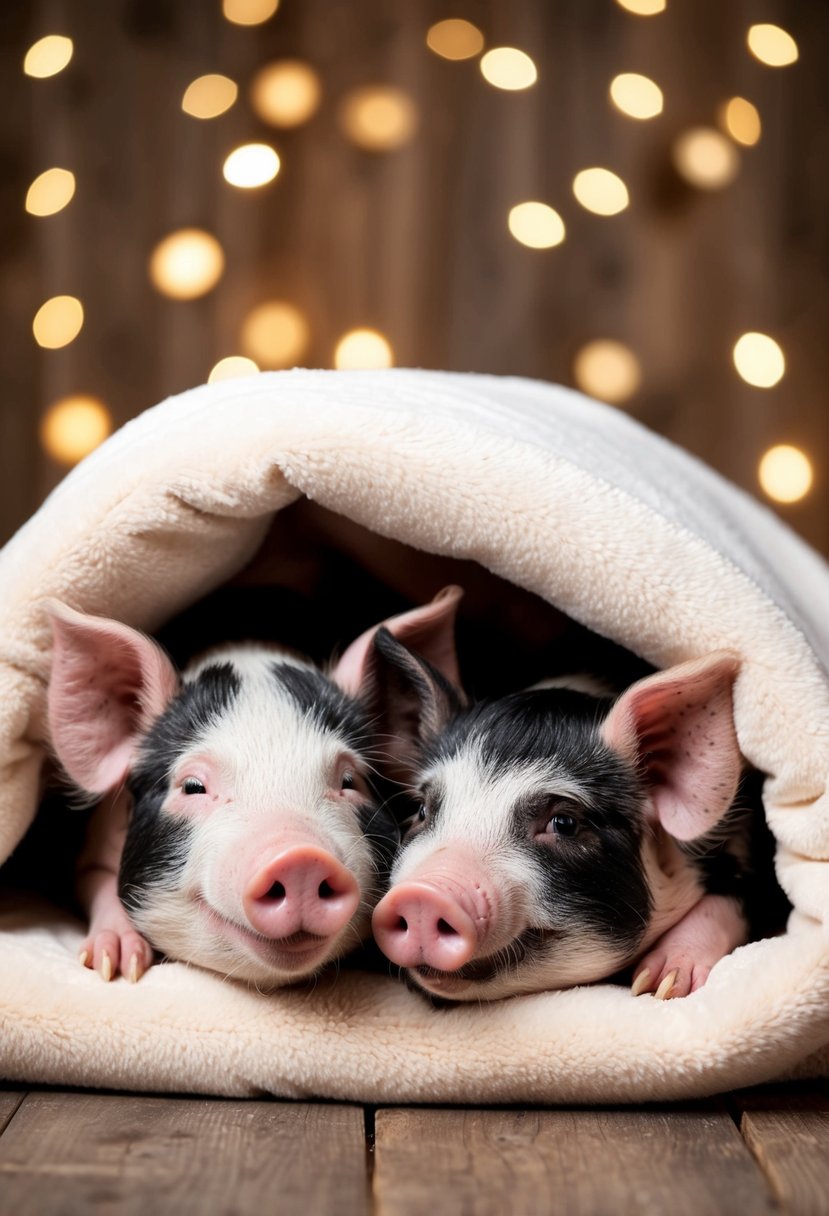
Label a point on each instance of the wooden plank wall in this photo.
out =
(415, 242)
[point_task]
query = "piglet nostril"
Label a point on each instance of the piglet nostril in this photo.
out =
(326, 891)
(445, 929)
(403, 924)
(276, 893)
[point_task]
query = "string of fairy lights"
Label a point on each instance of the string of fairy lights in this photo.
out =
(188, 263)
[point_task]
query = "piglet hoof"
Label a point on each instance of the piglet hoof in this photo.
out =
(681, 959)
(111, 953)
(664, 979)
(666, 989)
(639, 985)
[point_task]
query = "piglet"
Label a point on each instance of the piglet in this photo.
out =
(562, 836)
(244, 825)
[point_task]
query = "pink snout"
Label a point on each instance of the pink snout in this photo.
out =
(303, 890)
(418, 924)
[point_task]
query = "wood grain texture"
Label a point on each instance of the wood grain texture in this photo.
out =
(613, 1162)
(9, 1102)
(789, 1136)
(107, 1153)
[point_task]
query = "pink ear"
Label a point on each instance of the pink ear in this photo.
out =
(430, 630)
(678, 728)
(108, 683)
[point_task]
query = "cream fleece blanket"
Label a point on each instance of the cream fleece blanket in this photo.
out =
(554, 493)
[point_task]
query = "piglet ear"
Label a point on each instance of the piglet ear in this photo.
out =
(108, 684)
(430, 630)
(677, 727)
(411, 701)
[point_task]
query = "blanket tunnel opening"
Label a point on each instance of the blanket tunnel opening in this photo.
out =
(583, 544)
(317, 581)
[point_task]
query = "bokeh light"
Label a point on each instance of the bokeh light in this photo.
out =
(759, 360)
(705, 158)
(536, 224)
(378, 118)
(58, 322)
(286, 93)
(48, 56)
(772, 45)
(741, 120)
(50, 192)
(785, 473)
(505, 67)
(600, 191)
(275, 334)
(455, 39)
(249, 12)
(363, 348)
(209, 96)
(607, 369)
(234, 367)
(643, 8)
(73, 427)
(186, 264)
(251, 165)
(635, 95)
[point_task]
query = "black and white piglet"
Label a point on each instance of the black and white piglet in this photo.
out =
(562, 836)
(243, 825)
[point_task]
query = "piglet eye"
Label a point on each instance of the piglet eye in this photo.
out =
(192, 785)
(422, 813)
(563, 825)
(348, 782)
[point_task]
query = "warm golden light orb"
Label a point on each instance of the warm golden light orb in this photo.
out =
(636, 96)
(505, 67)
(378, 118)
(50, 192)
(536, 225)
(455, 39)
(73, 427)
(48, 56)
(608, 370)
(643, 8)
(275, 334)
(706, 159)
(286, 93)
(251, 165)
(363, 348)
(759, 360)
(249, 12)
(58, 322)
(186, 264)
(600, 191)
(741, 120)
(234, 367)
(772, 45)
(785, 473)
(209, 96)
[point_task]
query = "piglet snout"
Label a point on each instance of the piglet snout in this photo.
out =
(418, 924)
(303, 890)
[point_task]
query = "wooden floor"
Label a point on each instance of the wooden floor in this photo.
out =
(78, 1152)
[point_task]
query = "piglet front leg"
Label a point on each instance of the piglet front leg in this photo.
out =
(679, 961)
(112, 944)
